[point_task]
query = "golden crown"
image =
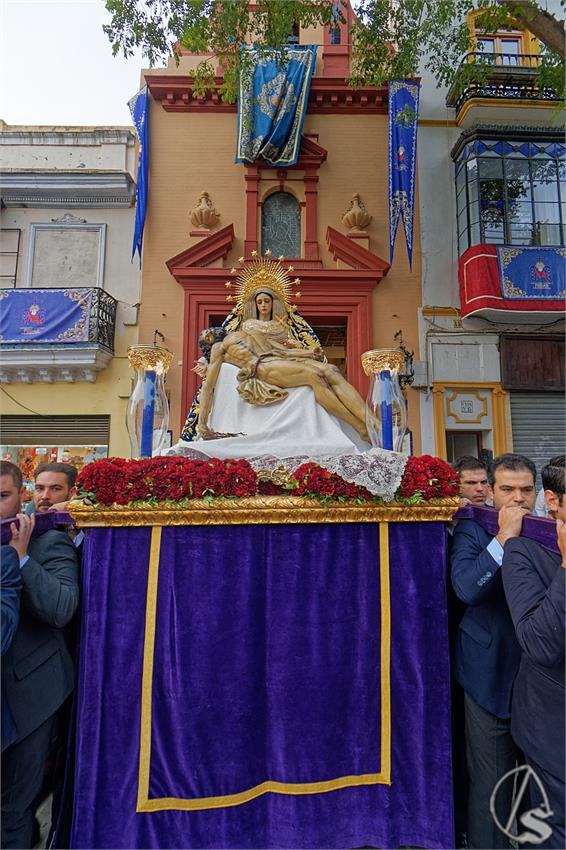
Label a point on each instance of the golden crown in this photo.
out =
(260, 274)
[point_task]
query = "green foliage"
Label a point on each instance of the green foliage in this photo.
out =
(391, 39)
(162, 28)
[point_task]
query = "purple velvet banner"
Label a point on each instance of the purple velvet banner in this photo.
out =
(43, 522)
(536, 528)
(264, 686)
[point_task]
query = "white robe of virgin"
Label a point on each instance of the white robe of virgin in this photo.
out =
(297, 425)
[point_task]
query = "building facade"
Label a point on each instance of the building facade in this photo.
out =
(69, 291)
(328, 215)
(492, 175)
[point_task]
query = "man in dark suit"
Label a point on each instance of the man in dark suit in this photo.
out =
(10, 592)
(472, 473)
(487, 653)
(473, 480)
(54, 489)
(533, 578)
(54, 486)
(37, 671)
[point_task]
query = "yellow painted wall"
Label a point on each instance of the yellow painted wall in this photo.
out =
(108, 395)
(194, 152)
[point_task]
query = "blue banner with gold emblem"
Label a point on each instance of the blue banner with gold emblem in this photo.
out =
(403, 122)
(45, 315)
(532, 272)
(272, 104)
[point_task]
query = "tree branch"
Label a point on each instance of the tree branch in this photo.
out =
(542, 24)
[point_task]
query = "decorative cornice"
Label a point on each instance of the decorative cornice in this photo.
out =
(67, 136)
(348, 251)
(334, 280)
(311, 154)
(259, 510)
(506, 133)
(54, 188)
(327, 96)
(51, 364)
(205, 252)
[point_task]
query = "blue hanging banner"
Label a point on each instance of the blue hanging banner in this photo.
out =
(45, 315)
(532, 272)
(139, 109)
(272, 104)
(403, 123)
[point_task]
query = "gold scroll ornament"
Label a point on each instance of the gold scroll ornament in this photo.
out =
(383, 359)
(259, 510)
(150, 358)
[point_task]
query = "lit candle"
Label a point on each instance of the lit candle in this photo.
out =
(148, 414)
(386, 410)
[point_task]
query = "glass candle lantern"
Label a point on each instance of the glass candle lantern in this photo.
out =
(386, 407)
(147, 416)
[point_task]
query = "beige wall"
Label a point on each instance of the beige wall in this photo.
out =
(196, 153)
(97, 150)
(108, 395)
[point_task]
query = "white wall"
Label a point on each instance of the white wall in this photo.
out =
(121, 276)
(91, 149)
(437, 199)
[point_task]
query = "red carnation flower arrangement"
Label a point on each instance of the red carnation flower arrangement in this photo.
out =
(316, 481)
(159, 479)
(177, 479)
(428, 477)
(424, 478)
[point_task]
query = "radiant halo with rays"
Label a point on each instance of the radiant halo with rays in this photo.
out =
(262, 273)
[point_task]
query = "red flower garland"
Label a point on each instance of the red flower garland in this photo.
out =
(430, 476)
(165, 478)
(314, 480)
(176, 478)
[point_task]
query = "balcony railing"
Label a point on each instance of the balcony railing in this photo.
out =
(102, 319)
(51, 334)
(497, 75)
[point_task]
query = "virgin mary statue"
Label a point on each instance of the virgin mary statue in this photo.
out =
(267, 388)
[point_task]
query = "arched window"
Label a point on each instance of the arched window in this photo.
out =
(281, 225)
(335, 25)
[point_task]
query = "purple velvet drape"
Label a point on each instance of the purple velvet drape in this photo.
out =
(268, 665)
(540, 529)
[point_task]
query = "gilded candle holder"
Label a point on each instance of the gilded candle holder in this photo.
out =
(147, 415)
(386, 406)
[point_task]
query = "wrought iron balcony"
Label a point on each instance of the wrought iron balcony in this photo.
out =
(52, 334)
(103, 319)
(497, 76)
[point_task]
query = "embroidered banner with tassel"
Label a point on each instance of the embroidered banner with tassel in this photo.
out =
(403, 122)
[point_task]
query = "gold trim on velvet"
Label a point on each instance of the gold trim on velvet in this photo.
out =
(147, 670)
(259, 510)
(385, 600)
(144, 804)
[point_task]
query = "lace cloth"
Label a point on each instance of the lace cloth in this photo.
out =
(378, 470)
